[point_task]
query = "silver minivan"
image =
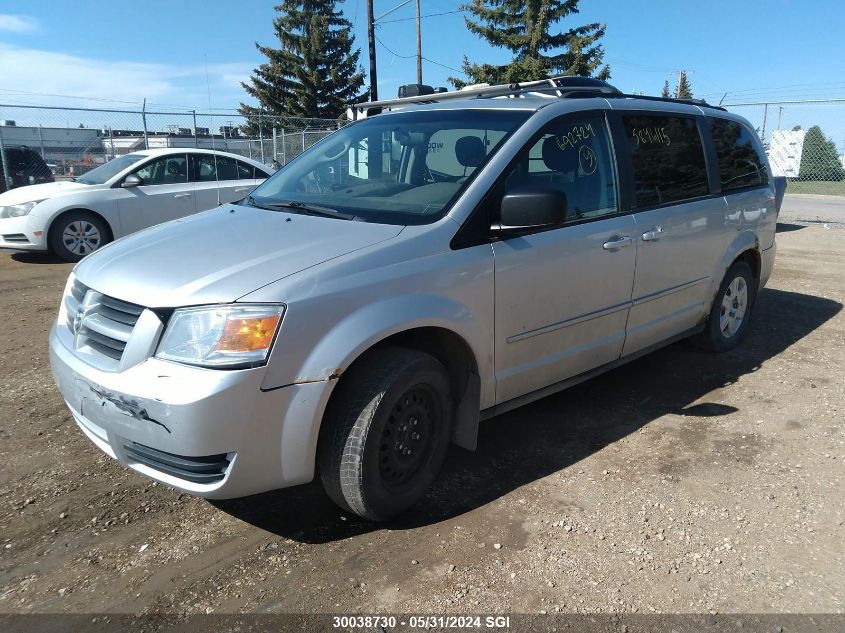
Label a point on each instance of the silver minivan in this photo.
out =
(420, 270)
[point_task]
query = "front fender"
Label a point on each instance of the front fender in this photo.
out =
(371, 323)
(63, 204)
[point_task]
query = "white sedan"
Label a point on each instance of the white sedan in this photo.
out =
(124, 195)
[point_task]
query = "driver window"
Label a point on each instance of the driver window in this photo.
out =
(574, 156)
(167, 170)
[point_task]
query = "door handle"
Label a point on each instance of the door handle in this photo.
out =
(239, 189)
(182, 195)
(617, 242)
(653, 234)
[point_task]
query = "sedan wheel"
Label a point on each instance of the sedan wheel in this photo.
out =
(76, 234)
(81, 237)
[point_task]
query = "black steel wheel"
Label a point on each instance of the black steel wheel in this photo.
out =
(386, 432)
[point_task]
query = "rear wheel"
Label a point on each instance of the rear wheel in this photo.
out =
(77, 234)
(386, 433)
(731, 310)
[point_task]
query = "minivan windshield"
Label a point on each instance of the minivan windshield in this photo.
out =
(109, 170)
(402, 168)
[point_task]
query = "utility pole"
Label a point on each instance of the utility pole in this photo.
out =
(765, 116)
(419, 46)
(780, 112)
(371, 38)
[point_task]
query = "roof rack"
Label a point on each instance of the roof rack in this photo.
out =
(695, 102)
(563, 87)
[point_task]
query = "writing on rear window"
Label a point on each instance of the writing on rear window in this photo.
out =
(651, 136)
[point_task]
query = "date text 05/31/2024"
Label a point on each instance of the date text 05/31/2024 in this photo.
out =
(422, 621)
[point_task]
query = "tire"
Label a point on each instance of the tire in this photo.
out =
(731, 310)
(372, 461)
(76, 234)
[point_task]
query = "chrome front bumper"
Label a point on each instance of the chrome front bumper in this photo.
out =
(261, 440)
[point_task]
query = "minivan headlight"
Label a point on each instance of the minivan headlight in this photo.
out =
(18, 210)
(223, 336)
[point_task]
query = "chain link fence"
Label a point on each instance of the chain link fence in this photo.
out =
(805, 141)
(72, 141)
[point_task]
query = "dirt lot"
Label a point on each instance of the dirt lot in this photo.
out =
(684, 482)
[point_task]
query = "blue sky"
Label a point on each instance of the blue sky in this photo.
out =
(100, 50)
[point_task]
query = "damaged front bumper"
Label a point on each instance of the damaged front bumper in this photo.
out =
(210, 433)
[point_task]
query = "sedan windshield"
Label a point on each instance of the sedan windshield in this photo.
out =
(107, 171)
(404, 168)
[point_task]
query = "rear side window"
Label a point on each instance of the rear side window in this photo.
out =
(211, 168)
(740, 162)
(667, 158)
(245, 172)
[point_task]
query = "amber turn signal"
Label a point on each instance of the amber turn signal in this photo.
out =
(246, 335)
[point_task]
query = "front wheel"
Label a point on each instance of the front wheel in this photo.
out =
(386, 433)
(731, 310)
(77, 234)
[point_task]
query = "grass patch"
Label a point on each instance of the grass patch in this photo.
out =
(820, 187)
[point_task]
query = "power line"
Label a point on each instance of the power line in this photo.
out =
(430, 15)
(431, 61)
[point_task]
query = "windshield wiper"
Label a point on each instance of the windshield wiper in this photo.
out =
(301, 207)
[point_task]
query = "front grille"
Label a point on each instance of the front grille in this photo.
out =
(108, 322)
(73, 300)
(17, 238)
(208, 469)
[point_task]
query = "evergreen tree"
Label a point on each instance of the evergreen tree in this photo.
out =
(314, 72)
(527, 29)
(684, 89)
(819, 158)
(665, 93)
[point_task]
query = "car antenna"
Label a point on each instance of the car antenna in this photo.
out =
(213, 147)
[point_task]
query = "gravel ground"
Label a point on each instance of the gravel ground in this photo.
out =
(683, 482)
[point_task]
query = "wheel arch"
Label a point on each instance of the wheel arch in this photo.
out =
(51, 224)
(753, 258)
(744, 247)
(456, 355)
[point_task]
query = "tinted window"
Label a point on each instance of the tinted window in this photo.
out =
(167, 170)
(667, 158)
(574, 156)
(740, 163)
(245, 172)
(211, 168)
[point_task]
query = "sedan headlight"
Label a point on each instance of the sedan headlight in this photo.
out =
(18, 210)
(221, 336)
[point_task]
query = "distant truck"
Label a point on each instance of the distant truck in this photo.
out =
(26, 167)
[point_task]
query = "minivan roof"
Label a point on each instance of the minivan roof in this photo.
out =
(569, 93)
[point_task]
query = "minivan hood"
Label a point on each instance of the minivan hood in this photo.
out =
(27, 193)
(220, 255)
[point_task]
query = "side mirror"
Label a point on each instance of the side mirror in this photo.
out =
(530, 209)
(132, 180)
